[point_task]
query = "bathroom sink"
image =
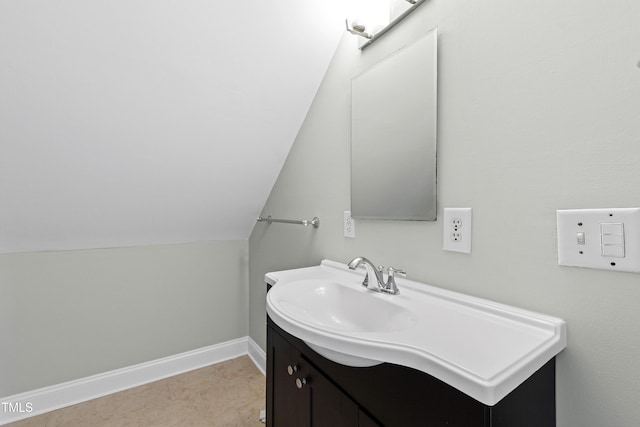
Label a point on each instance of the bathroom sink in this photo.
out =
(333, 306)
(482, 348)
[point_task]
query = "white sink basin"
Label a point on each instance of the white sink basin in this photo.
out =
(333, 306)
(480, 347)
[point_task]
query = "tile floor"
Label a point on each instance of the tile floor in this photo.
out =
(229, 394)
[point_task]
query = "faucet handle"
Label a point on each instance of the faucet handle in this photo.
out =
(392, 271)
(391, 287)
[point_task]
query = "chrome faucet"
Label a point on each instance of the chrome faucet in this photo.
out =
(379, 285)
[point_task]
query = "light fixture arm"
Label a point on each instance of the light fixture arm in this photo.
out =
(357, 32)
(360, 30)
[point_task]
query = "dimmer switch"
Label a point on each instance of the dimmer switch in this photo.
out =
(606, 239)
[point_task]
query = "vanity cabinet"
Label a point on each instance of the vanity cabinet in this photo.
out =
(302, 396)
(304, 389)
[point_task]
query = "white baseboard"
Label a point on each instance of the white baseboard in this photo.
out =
(36, 402)
(257, 355)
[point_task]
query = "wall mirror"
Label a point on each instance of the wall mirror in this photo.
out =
(393, 135)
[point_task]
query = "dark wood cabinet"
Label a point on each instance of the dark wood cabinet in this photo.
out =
(388, 395)
(300, 395)
(282, 357)
(305, 397)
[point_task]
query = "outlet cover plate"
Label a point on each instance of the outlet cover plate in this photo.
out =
(456, 230)
(349, 225)
(582, 238)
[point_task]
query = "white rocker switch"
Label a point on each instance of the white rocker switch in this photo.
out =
(612, 239)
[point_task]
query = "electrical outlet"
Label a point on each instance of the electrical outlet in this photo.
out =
(456, 230)
(349, 225)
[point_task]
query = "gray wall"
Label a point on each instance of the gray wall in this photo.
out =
(69, 314)
(116, 112)
(538, 110)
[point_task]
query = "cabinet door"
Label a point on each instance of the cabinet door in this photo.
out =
(298, 395)
(366, 421)
(284, 401)
(325, 405)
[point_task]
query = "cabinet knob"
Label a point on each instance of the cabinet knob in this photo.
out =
(301, 382)
(291, 369)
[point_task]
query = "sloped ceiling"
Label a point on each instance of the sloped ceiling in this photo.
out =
(133, 122)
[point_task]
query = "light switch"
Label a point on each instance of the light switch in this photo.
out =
(610, 239)
(616, 251)
(606, 239)
(616, 228)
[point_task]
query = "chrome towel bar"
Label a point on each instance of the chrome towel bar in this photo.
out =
(315, 221)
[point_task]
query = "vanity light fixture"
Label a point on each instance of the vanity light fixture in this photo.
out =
(359, 28)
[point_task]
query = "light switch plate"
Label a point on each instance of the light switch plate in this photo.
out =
(456, 230)
(607, 239)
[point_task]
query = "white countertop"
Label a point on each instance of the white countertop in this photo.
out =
(482, 348)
